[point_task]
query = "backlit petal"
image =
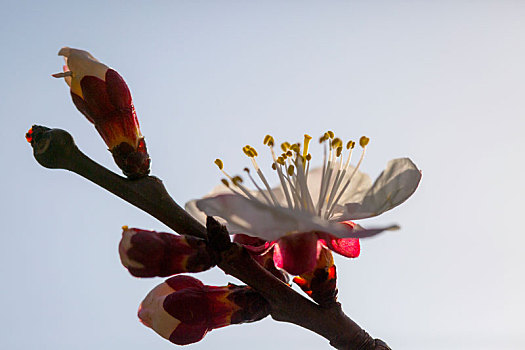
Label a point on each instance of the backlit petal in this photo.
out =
(271, 223)
(395, 184)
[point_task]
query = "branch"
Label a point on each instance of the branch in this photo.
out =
(55, 149)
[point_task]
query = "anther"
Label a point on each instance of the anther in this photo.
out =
(336, 143)
(268, 140)
(330, 134)
(237, 180)
(285, 146)
(290, 170)
(219, 163)
(350, 144)
(225, 182)
(363, 141)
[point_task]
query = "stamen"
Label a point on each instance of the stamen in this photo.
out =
(363, 141)
(275, 166)
(225, 182)
(257, 186)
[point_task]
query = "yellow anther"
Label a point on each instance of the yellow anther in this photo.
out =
(125, 227)
(290, 170)
(225, 182)
(330, 134)
(338, 151)
(246, 169)
(289, 154)
(285, 146)
(363, 141)
(307, 139)
(296, 147)
(308, 157)
(280, 160)
(336, 143)
(274, 167)
(268, 140)
(237, 180)
(350, 144)
(249, 151)
(219, 163)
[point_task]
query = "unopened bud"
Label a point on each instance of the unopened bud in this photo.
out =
(183, 309)
(149, 253)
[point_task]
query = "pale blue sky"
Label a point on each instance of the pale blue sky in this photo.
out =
(440, 82)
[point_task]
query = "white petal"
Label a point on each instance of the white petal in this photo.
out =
(82, 63)
(270, 223)
(199, 215)
(395, 184)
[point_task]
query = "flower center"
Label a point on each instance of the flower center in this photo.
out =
(293, 167)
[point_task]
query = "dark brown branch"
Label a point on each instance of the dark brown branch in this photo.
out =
(55, 148)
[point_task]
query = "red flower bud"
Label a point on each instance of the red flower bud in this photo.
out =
(183, 310)
(320, 283)
(149, 253)
(103, 97)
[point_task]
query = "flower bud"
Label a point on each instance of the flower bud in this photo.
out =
(320, 283)
(183, 309)
(149, 253)
(103, 97)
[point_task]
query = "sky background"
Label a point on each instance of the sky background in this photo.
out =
(439, 82)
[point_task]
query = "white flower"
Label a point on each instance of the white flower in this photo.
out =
(317, 200)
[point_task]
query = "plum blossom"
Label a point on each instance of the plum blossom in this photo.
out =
(311, 208)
